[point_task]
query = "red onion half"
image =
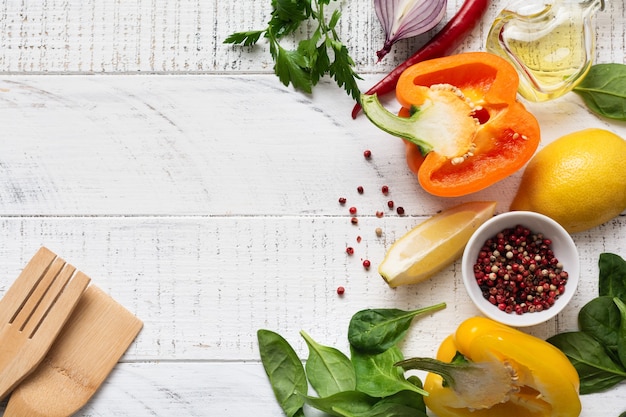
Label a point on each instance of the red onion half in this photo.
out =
(406, 18)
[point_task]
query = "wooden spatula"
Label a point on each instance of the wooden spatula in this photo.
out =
(93, 340)
(33, 312)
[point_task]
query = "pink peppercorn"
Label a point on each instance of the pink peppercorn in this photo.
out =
(341, 290)
(518, 273)
(366, 264)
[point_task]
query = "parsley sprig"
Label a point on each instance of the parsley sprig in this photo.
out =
(323, 53)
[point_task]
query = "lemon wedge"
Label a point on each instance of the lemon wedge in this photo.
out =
(433, 244)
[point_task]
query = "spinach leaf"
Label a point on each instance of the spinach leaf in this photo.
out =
(358, 404)
(382, 409)
(593, 379)
(329, 371)
(376, 330)
(612, 281)
(604, 90)
(352, 402)
(284, 370)
(621, 341)
(377, 375)
(596, 369)
(600, 318)
(409, 398)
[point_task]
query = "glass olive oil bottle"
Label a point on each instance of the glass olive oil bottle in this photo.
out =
(551, 44)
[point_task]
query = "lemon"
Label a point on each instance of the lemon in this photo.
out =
(433, 244)
(579, 180)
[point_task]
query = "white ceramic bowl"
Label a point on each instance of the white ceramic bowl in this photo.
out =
(564, 250)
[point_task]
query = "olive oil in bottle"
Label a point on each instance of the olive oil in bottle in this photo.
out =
(551, 45)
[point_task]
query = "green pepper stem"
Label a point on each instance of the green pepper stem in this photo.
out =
(444, 123)
(447, 371)
(405, 127)
(477, 385)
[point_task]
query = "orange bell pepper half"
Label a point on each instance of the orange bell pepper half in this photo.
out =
(460, 118)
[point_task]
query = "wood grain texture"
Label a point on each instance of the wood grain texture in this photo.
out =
(186, 36)
(189, 184)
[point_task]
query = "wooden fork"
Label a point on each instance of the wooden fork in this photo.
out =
(98, 333)
(33, 312)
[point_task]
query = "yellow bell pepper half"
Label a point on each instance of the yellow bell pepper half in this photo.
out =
(503, 373)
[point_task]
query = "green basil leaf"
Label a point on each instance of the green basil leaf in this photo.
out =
(376, 330)
(284, 370)
(377, 375)
(596, 370)
(601, 319)
(604, 90)
(329, 371)
(352, 402)
(612, 281)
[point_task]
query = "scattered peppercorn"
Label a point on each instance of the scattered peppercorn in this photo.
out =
(354, 220)
(390, 204)
(352, 210)
(379, 214)
(379, 232)
(385, 190)
(342, 200)
(341, 290)
(367, 154)
(518, 273)
(358, 239)
(400, 211)
(366, 264)
(359, 189)
(350, 250)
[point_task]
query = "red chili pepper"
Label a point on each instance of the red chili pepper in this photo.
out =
(445, 41)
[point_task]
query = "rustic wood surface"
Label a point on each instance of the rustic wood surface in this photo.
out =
(199, 192)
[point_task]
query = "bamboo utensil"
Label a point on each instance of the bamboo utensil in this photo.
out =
(94, 339)
(33, 312)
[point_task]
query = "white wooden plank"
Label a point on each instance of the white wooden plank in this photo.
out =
(204, 285)
(187, 36)
(211, 145)
(210, 389)
(207, 204)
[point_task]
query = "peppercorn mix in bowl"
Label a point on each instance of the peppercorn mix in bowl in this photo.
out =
(520, 268)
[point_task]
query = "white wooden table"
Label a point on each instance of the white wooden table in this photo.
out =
(200, 193)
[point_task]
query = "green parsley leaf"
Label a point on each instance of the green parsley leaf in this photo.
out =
(321, 54)
(291, 68)
(245, 38)
(341, 69)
